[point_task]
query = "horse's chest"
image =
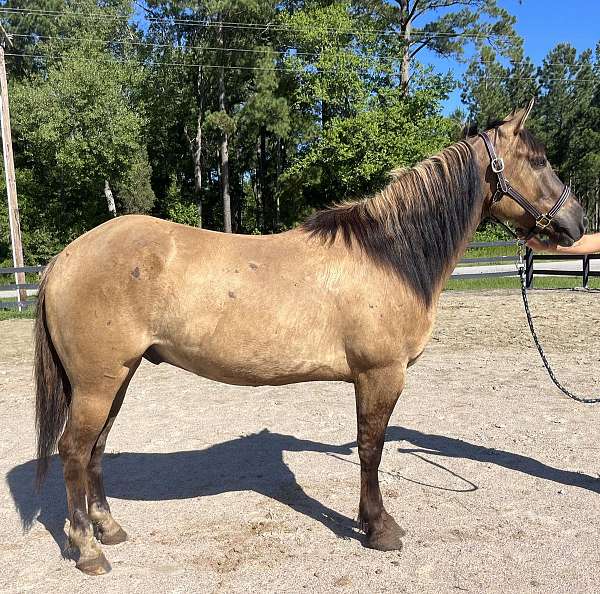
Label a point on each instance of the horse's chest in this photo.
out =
(384, 334)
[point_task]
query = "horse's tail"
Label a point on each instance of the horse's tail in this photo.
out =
(52, 388)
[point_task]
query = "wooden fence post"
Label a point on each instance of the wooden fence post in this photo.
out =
(11, 185)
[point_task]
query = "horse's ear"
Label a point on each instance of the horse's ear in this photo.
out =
(519, 118)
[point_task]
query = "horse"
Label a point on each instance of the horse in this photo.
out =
(349, 295)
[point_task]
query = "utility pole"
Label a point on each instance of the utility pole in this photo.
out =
(9, 173)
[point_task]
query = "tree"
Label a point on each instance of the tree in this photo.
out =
(444, 27)
(568, 119)
(216, 89)
(567, 88)
(492, 89)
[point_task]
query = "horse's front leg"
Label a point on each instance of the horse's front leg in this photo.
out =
(377, 391)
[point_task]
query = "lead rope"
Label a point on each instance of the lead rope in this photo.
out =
(521, 269)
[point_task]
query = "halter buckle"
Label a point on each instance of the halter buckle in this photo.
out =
(543, 221)
(497, 165)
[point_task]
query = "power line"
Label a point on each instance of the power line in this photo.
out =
(193, 47)
(532, 64)
(568, 80)
(374, 57)
(240, 25)
(182, 64)
(253, 50)
(276, 68)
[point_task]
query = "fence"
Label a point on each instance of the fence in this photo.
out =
(584, 273)
(530, 269)
(488, 260)
(19, 287)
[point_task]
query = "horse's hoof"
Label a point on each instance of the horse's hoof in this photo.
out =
(113, 539)
(386, 536)
(94, 566)
(384, 541)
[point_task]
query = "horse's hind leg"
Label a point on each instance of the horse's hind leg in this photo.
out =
(376, 394)
(107, 529)
(91, 403)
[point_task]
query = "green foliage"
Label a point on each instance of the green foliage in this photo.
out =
(355, 154)
(134, 191)
(219, 121)
(75, 126)
(14, 314)
(492, 90)
(491, 232)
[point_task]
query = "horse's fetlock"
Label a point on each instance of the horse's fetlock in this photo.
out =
(98, 511)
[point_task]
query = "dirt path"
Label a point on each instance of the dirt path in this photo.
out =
(493, 474)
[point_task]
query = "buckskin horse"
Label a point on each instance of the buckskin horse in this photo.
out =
(350, 295)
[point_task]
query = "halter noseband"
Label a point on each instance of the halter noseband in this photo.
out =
(542, 221)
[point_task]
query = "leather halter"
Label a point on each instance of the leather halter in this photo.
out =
(542, 220)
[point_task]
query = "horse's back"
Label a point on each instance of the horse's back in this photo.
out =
(241, 309)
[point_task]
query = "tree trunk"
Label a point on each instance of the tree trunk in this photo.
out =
(259, 204)
(224, 141)
(264, 192)
(405, 30)
(110, 200)
(325, 114)
(197, 149)
(276, 188)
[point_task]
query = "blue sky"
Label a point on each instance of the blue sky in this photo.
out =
(542, 24)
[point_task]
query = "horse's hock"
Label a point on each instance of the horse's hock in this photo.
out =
(491, 471)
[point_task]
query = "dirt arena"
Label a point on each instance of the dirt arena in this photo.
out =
(492, 472)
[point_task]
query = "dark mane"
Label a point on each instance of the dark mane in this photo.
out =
(416, 225)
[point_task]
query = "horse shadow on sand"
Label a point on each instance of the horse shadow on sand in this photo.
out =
(248, 463)
(254, 463)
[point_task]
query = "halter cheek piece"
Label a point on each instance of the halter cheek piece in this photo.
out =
(542, 221)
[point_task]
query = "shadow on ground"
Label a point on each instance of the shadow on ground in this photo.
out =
(254, 462)
(250, 463)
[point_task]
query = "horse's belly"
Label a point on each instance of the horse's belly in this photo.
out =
(258, 361)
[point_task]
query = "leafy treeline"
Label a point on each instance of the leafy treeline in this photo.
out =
(246, 114)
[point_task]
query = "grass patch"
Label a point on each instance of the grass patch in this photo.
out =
(9, 279)
(503, 282)
(15, 314)
(486, 252)
(7, 313)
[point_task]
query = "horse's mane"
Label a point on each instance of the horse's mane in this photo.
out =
(416, 224)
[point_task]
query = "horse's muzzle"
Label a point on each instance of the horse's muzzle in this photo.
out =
(569, 227)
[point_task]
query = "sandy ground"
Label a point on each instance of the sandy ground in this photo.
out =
(491, 471)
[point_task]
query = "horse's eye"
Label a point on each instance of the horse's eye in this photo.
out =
(539, 162)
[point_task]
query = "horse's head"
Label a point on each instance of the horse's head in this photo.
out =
(523, 188)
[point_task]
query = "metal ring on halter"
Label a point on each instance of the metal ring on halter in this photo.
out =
(497, 165)
(543, 222)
